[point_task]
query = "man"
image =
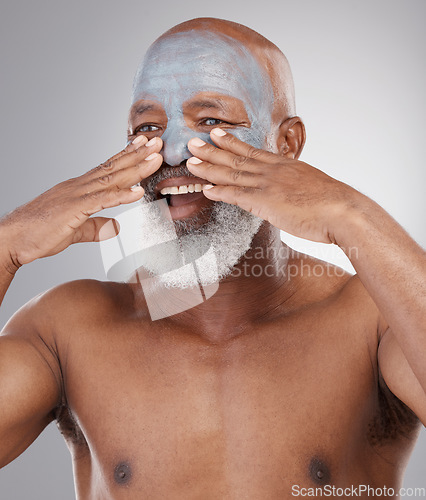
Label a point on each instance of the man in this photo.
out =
(279, 381)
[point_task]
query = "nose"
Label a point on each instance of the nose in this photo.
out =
(175, 142)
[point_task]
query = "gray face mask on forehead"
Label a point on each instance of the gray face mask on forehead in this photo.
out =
(180, 66)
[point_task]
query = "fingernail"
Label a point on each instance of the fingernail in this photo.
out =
(136, 188)
(208, 186)
(151, 142)
(139, 139)
(196, 141)
(194, 160)
(219, 132)
(151, 156)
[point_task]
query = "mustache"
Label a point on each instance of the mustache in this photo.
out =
(164, 172)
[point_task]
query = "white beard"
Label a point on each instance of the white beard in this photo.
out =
(172, 248)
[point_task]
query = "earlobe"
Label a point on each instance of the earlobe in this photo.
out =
(291, 137)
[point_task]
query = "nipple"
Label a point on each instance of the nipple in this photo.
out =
(122, 473)
(319, 472)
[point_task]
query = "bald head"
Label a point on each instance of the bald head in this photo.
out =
(267, 54)
(208, 72)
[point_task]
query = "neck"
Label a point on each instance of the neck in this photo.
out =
(256, 289)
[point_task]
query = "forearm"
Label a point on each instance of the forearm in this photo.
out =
(392, 267)
(7, 267)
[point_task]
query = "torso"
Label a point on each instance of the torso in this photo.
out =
(152, 410)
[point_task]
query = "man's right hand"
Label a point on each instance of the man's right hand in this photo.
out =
(62, 215)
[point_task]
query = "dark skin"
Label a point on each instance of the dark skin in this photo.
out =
(308, 377)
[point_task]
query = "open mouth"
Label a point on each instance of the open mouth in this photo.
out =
(184, 195)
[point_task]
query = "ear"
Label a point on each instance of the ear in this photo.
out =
(291, 137)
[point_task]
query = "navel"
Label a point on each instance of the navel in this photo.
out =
(319, 471)
(122, 473)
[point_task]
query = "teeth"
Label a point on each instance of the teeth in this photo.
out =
(186, 188)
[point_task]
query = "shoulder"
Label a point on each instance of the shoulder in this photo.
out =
(317, 278)
(82, 290)
(48, 323)
(320, 282)
(68, 303)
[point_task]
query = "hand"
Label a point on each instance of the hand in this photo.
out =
(62, 215)
(290, 194)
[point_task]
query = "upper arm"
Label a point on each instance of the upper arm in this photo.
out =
(29, 385)
(399, 376)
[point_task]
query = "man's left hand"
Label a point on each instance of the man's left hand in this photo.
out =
(288, 193)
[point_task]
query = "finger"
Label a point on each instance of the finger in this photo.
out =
(128, 159)
(96, 229)
(133, 157)
(140, 140)
(231, 143)
(212, 154)
(244, 197)
(91, 203)
(219, 174)
(125, 178)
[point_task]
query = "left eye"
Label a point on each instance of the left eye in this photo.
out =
(211, 121)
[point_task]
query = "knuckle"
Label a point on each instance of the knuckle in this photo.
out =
(98, 197)
(98, 171)
(107, 165)
(236, 175)
(90, 196)
(239, 161)
(110, 192)
(141, 151)
(105, 180)
(253, 152)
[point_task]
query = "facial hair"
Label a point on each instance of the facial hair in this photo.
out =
(215, 246)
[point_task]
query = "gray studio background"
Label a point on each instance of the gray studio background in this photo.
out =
(66, 74)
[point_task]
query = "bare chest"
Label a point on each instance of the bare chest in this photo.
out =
(286, 403)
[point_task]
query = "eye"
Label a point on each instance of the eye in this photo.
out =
(146, 128)
(211, 122)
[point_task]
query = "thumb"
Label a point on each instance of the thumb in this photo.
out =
(97, 229)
